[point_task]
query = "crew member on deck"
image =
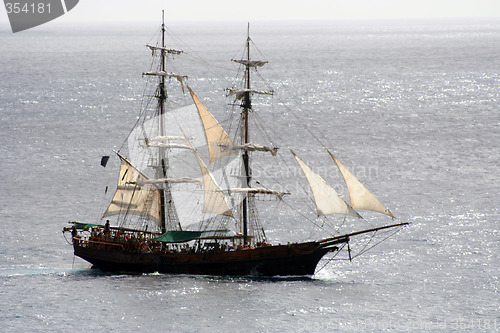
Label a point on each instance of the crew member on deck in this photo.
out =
(106, 229)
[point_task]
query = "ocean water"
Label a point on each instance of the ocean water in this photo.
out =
(412, 107)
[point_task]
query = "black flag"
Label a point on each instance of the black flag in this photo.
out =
(104, 160)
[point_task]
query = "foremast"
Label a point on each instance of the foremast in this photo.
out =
(246, 107)
(168, 213)
(162, 96)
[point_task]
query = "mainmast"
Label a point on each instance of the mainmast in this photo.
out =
(246, 105)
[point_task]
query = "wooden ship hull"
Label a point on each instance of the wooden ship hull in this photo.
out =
(277, 260)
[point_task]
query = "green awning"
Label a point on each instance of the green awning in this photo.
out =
(82, 225)
(178, 236)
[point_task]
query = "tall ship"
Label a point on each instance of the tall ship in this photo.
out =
(186, 199)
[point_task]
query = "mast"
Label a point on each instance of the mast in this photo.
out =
(247, 106)
(167, 210)
(162, 96)
(161, 100)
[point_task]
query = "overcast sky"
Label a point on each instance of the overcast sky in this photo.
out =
(238, 10)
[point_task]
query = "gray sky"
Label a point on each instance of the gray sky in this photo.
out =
(237, 10)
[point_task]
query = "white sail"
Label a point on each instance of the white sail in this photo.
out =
(214, 201)
(130, 198)
(326, 198)
(359, 195)
(180, 124)
(215, 134)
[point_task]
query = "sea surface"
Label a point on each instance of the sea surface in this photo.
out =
(412, 107)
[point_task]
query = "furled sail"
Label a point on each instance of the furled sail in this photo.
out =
(159, 181)
(165, 145)
(326, 198)
(130, 198)
(215, 134)
(240, 93)
(252, 147)
(251, 63)
(359, 195)
(166, 74)
(161, 48)
(167, 138)
(257, 190)
(179, 77)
